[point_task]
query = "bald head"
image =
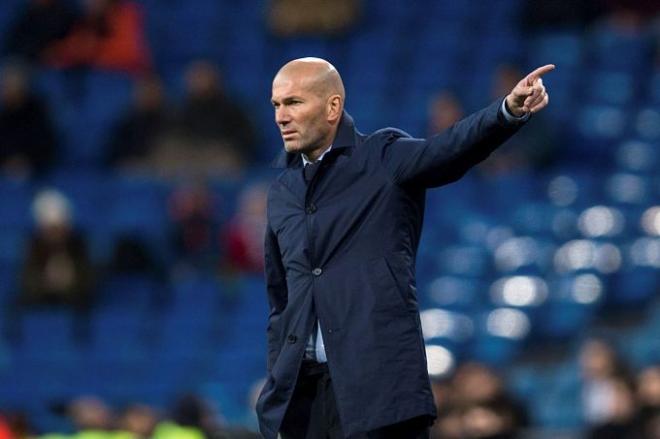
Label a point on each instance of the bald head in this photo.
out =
(315, 74)
(308, 98)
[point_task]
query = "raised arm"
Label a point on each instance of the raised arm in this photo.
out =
(445, 157)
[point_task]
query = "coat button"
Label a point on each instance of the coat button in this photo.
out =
(317, 271)
(311, 209)
(292, 338)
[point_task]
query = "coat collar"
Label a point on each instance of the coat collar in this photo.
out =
(345, 138)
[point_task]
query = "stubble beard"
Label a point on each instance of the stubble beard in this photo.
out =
(298, 147)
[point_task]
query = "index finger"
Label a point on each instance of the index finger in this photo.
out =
(540, 72)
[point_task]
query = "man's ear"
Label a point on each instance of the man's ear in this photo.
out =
(334, 108)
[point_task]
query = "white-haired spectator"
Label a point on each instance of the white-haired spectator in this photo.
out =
(57, 268)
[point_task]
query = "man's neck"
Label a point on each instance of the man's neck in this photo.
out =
(315, 156)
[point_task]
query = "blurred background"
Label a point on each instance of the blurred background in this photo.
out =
(135, 142)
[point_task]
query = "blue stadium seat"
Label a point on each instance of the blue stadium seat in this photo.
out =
(361, 106)
(535, 218)
(574, 300)
(646, 123)
(120, 336)
(601, 122)
(394, 13)
(140, 292)
(633, 49)
(13, 245)
(86, 190)
(16, 196)
(636, 284)
(453, 330)
(370, 57)
(139, 205)
(472, 261)
(501, 333)
(637, 156)
(509, 190)
(9, 282)
(575, 187)
(456, 293)
(558, 406)
(194, 320)
(563, 48)
(8, 13)
(47, 334)
(653, 89)
(610, 88)
(54, 86)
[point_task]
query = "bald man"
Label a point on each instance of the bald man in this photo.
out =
(346, 356)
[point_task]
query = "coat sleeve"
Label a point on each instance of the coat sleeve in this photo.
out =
(277, 294)
(447, 156)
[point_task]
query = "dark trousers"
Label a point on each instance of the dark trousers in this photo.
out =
(312, 412)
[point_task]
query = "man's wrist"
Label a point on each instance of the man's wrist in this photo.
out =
(510, 116)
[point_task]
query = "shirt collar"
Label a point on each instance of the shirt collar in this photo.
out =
(345, 139)
(307, 161)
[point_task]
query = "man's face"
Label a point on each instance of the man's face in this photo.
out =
(300, 114)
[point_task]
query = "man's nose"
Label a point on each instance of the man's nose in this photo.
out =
(282, 117)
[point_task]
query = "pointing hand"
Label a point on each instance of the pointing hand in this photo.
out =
(529, 95)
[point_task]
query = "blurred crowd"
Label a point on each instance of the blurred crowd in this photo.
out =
(206, 133)
(92, 418)
(616, 402)
(473, 403)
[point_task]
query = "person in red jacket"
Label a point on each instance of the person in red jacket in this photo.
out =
(5, 431)
(110, 36)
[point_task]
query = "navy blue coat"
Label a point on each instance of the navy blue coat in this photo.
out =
(342, 249)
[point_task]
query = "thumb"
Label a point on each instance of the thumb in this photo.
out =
(524, 90)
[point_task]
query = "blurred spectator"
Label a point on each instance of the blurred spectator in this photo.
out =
(535, 146)
(444, 111)
(475, 404)
(193, 418)
(208, 113)
(40, 23)
(27, 138)
(131, 256)
(545, 15)
(5, 431)
(619, 420)
(319, 17)
(57, 269)
(243, 235)
(109, 35)
(626, 15)
(215, 136)
(603, 374)
(90, 415)
(138, 420)
(19, 425)
(140, 127)
(648, 396)
(191, 212)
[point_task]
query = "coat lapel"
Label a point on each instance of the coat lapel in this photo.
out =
(292, 177)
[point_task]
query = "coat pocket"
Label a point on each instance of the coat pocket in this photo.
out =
(387, 290)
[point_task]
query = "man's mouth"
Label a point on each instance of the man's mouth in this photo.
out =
(288, 134)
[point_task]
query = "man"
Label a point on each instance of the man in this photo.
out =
(346, 353)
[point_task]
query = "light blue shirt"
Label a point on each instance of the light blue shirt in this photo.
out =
(315, 348)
